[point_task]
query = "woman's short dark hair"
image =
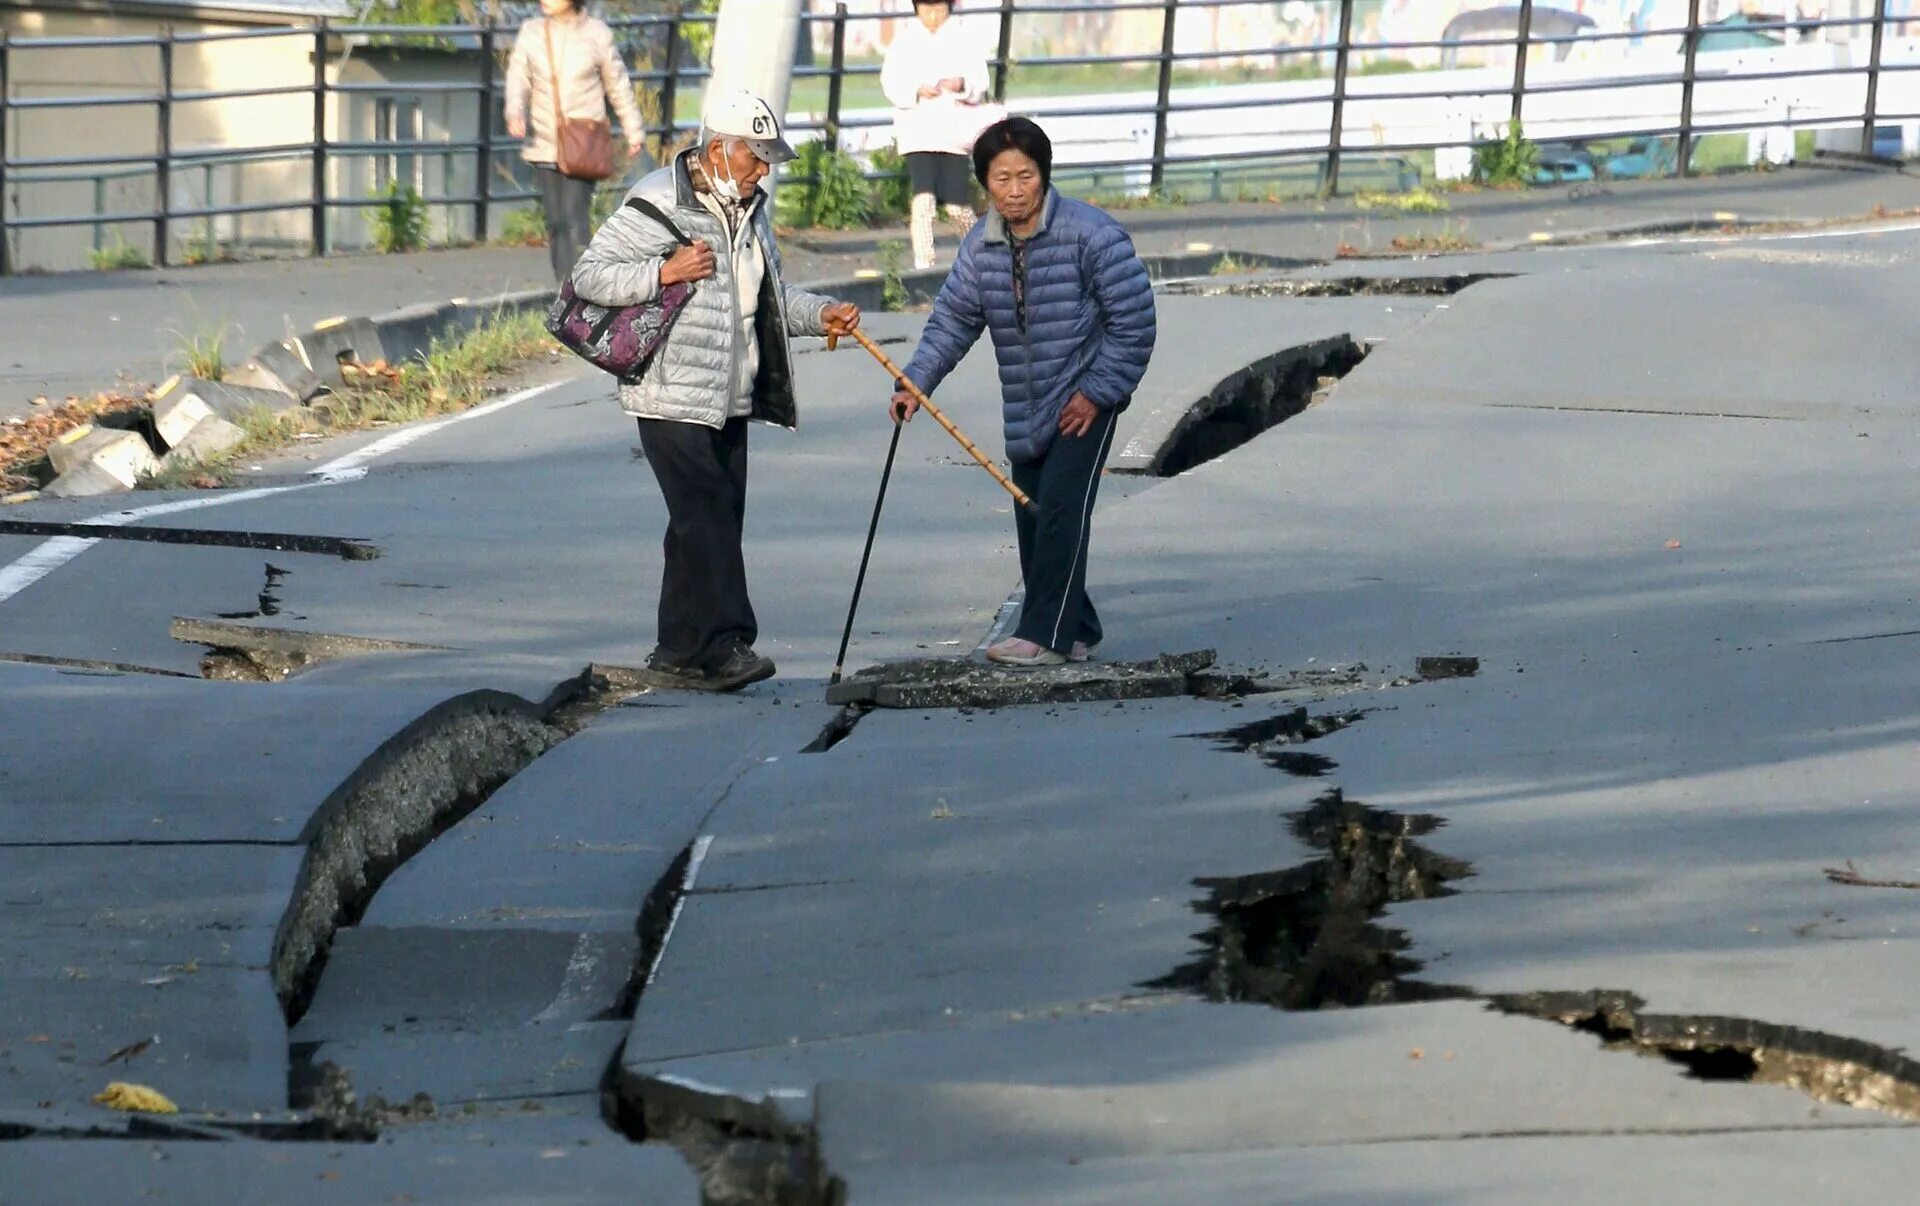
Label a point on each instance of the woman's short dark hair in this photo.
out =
(1020, 134)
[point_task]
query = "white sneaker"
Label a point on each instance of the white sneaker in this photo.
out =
(1016, 652)
(1082, 652)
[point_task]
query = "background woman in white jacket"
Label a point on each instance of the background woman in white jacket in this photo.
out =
(935, 77)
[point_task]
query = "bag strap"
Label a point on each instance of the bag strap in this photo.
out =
(653, 211)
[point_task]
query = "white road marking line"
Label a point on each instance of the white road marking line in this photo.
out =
(50, 556)
(700, 847)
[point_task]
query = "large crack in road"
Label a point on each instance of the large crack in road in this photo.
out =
(1309, 937)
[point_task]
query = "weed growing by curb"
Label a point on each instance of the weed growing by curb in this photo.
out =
(893, 290)
(400, 220)
(1414, 201)
(203, 353)
(1509, 162)
(524, 227)
(118, 254)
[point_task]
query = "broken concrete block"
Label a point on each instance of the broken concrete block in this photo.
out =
(280, 366)
(124, 455)
(349, 340)
(409, 334)
(86, 480)
(224, 398)
(209, 438)
(472, 312)
(177, 414)
(1448, 666)
(962, 683)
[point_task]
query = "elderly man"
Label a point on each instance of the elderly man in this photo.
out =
(726, 361)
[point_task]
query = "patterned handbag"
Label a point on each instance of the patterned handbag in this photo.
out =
(619, 339)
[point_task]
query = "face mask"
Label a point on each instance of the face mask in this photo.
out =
(728, 188)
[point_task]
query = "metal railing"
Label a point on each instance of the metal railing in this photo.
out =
(667, 75)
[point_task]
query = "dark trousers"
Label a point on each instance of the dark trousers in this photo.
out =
(702, 473)
(1053, 544)
(568, 206)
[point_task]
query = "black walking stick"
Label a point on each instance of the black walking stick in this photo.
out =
(861, 580)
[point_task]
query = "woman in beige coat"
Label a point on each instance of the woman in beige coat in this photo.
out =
(590, 76)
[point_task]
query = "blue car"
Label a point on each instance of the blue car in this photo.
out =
(1563, 163)
(1643, 158)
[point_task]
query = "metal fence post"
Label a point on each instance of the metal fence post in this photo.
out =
(1685, 166)
(483, 161)
(1520, 59)
(163, 141)
(1004, 52)
(319, 219)
(839, 69)
(1873, 78)
(1341, 54)
(1157, 173)
(669, 124)
(6, 88)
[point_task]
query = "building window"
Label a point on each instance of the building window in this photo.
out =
(397, 120)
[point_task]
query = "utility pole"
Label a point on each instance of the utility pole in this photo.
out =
(753, 44)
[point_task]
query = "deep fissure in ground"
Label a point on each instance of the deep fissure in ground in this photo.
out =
(1259, 397)
(1345, 286)
(1307, 937)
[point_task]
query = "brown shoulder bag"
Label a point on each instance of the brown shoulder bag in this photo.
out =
(583, 147)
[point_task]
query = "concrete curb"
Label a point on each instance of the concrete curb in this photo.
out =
(194, 418)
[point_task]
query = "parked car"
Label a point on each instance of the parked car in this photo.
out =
(1644, 158)
(1563, 163)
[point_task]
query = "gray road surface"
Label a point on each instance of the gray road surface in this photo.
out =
(1658, 491)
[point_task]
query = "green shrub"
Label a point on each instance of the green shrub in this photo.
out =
(400, 220)
(892, 191)
(826, 187)
(1508, 162)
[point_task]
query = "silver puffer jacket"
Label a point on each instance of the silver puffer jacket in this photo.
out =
(689, 380)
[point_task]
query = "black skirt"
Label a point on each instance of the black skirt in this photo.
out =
(947, 177)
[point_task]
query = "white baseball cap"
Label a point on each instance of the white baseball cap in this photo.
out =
(745, 116)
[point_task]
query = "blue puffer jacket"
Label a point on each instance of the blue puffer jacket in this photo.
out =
(1089, 321)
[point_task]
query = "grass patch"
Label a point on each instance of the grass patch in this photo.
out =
(1414, 201)
(118, 254)
(1446, 239)
(1230, 264)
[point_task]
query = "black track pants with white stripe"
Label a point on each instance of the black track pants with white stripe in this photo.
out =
(1053, 544)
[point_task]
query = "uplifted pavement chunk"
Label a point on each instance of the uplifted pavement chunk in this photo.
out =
(960, 683)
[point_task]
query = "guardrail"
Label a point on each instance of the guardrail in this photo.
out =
(1162, 151)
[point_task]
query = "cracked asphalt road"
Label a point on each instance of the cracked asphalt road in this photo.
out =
(1662, 493)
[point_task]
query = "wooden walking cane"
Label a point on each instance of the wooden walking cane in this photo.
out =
(926, 404)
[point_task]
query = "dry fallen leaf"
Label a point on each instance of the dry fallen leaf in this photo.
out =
(1673, 544)
(135, 1099)
(1416, 1053)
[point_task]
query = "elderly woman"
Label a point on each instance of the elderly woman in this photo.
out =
(1071, 311)
(935, 77)
(565, 65)
(725, 362)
